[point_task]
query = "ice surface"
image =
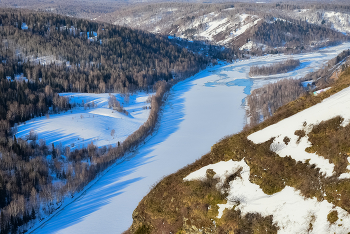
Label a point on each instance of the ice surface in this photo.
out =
(292, 212)
(198, 113)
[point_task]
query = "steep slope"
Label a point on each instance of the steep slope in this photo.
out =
(339, 21)
(248, 184)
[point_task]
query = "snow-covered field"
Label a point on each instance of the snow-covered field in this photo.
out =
(198, 113)
(81, 126)
(292, 212)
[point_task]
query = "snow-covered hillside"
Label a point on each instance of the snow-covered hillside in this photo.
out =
(336, 105)
(93, 123)
(213, 26)
(292, 213)
(228, 25)
(338, 21)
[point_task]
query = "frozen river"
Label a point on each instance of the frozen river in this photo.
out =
(197, 114)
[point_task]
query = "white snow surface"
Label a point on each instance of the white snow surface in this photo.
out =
(297, 151)
(292, 212)
(340, 21)
(209, 26)
(198, 112)
(222, 169)
(250, 45)
(247, 46)
(81, 126)
(336, 105)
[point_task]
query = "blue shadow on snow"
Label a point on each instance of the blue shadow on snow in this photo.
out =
(112, 184)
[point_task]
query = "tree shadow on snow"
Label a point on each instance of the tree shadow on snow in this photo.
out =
(120, 176)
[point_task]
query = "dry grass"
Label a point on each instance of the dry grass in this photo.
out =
(332, 217)
(331, 141)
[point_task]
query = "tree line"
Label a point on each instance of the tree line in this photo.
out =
(277, 68)
(263, 102)
(295, 34)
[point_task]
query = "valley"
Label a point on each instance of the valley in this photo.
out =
(174, 117)
(198, 113)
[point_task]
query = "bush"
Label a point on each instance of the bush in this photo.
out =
(332, 217)
(143, 230)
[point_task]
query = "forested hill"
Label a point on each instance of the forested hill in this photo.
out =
(255, 27)
(102, 57)
(43, 54)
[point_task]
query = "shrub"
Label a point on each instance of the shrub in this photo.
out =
(143, 230)
(300, 134)
(332, 217)
(286, 140)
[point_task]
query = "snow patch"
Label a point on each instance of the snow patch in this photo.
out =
(296, 149)
(222, 169)
(336, 105)
(292, 212)
(320, 91)
(340, 21)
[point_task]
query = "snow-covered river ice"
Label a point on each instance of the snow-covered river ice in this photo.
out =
(197, 114)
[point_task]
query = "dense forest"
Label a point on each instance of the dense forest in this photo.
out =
(98, 57)
(281, 67)
(43, 54)
(294, 34)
